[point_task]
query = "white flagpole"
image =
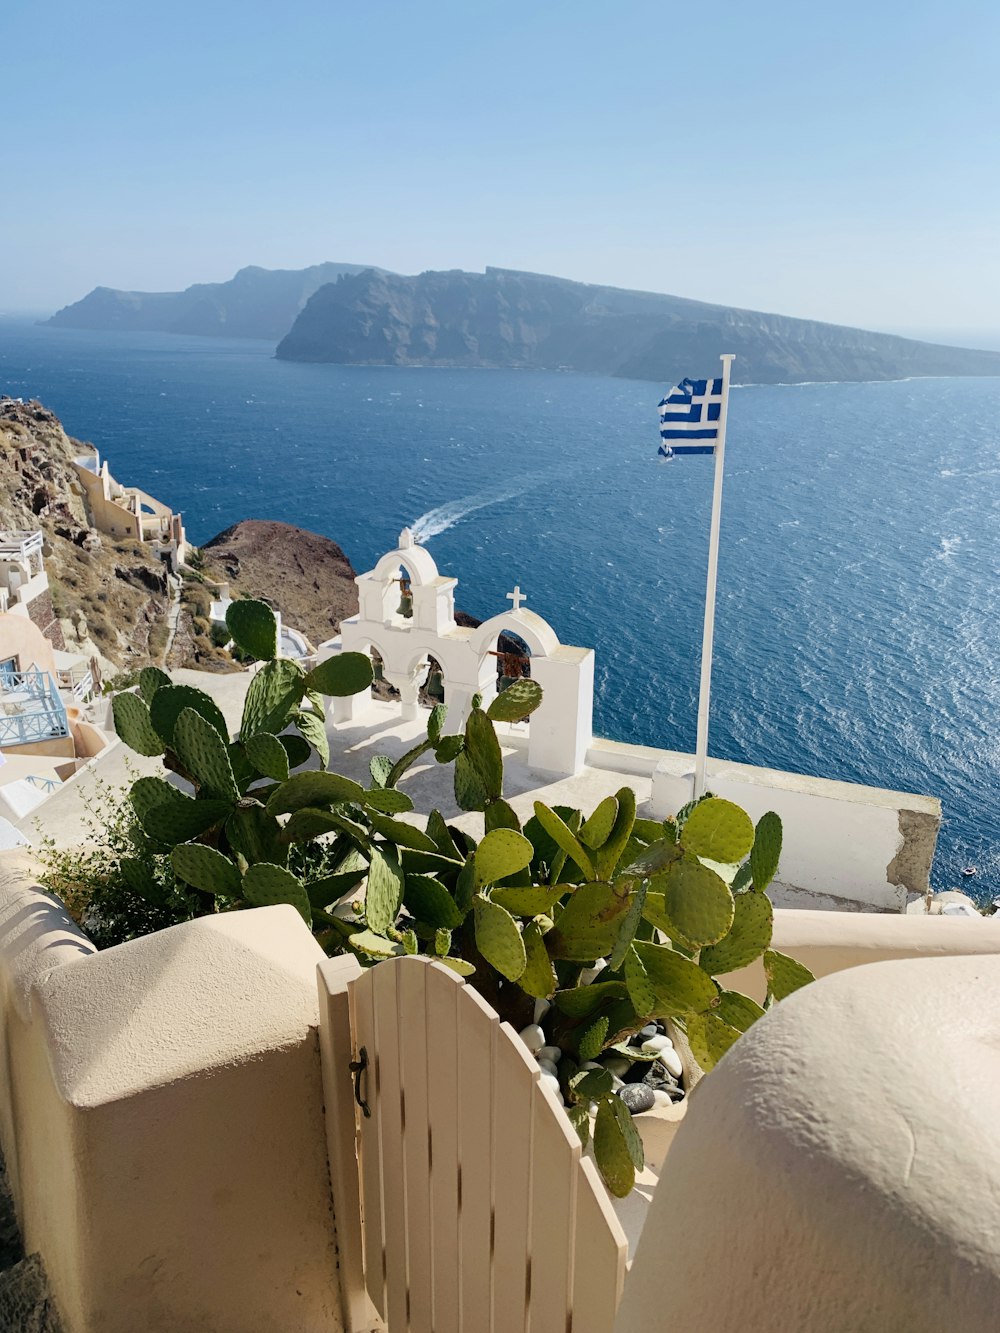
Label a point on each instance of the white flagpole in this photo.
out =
(704, 690)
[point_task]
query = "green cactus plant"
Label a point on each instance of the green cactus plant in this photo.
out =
(665, 908)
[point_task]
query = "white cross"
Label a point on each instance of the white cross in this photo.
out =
(517, 597)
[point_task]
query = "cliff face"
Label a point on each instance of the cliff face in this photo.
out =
(256, 303)
(524, 320)
(108, 595)
(306, 577)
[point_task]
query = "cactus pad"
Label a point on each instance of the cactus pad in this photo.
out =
(483, 748)
(296, 748)
(314, 788)
(564, 838)
(429, 902)
(254, 626)
(582, 1001)
(739, 1011)
(206, 869)
(384, 893)
(255, 835)
(272, 698)
(266, 885)
(380, 766)
(718, 830)
(435, 723)
(748, 936)
(589, 923)
(170, 701)
(268, 755)
(517, 701)
(500, 815)
(592, 1040)
(679, 985)
(205, 755)
(766, 850)
(597, 829)
(372, 945)
(498, 938)
(470, 794)
(606, 857)
(531, 900)
(388, 801)
(697, 901)
(539, 976)
(502, 853)
(182, 819)
(403, 835)
(784, 975)
(134, 725)
(149, 680)
(612, 1151)
(709, 1038)
(341, 675)
(313, 731)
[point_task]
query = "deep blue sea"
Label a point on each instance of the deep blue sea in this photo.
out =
(858, 628)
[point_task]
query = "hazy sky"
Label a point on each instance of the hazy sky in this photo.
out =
(834, 161)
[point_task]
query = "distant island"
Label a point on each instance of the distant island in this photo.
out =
(502, 318)
(256, 303)
(352, 315)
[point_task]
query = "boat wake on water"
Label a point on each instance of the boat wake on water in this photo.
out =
(445, 516)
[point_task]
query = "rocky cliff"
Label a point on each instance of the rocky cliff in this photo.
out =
(306, 577)
(113, 597)
(256, 303)
(108, 595)
(524, 320)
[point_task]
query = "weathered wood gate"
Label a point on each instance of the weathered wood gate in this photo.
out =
(463, 1203)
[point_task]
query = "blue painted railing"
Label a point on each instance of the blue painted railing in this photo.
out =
(30, 708)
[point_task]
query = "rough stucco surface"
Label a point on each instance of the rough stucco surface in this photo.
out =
(840, 1169)
(161, 1109)
(911, 864)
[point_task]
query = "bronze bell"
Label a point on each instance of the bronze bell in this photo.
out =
(377, 672)
(505, 683)
(435, 686)
(405, 607)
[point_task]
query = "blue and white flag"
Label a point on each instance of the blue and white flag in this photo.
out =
(689, 418)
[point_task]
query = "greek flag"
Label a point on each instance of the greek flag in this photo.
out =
(689, 418)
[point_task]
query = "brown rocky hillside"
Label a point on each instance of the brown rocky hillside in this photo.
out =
(306, 577)
(109, 596)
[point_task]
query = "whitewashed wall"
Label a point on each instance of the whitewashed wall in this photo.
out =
(162, 1120)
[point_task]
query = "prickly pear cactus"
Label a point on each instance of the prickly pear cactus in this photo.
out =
(254, 628)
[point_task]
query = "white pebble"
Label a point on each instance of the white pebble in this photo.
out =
(591, 1064)
(661, 1098)
(650, 1030)
(552, 1053)
(590, 974)
(533, 1037)
(617, 1065)
(653, 1045)
(669, 1057)
(592, 1110)
(547, 1067)
(542, 1007)
(551, 1079)
(617, 1083)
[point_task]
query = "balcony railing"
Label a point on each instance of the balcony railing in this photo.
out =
(30, 709)
(19, 545)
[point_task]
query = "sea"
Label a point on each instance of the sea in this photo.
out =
(858, 623)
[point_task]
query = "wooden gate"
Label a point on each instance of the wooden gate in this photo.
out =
(477, 1213)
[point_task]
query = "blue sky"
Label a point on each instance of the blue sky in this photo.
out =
(836, 162)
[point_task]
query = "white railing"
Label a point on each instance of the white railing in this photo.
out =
(20, 544)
